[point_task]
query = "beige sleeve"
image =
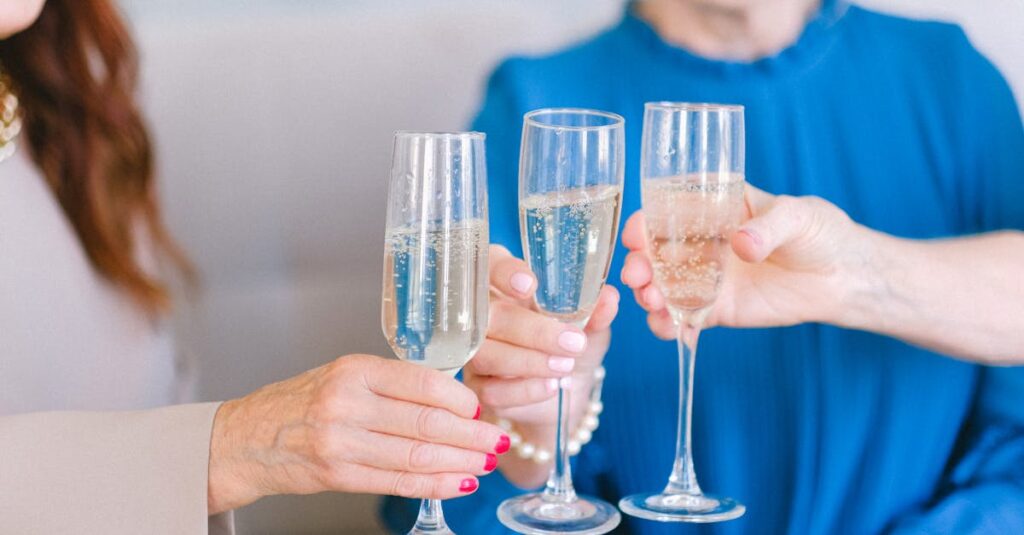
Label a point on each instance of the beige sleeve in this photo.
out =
(108, 473)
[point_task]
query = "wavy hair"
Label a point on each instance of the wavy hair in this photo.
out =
(75, 72)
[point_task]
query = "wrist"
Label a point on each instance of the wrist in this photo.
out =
(230, 481)
(864, 290)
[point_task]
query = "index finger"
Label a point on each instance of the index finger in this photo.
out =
(510, 275)
(756, 201)
(425, 386)
(633, 233)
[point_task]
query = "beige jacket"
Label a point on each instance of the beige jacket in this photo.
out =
(108, 473)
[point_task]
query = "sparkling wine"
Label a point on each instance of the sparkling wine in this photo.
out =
(568, 239)
(435, 293)
(689, 223)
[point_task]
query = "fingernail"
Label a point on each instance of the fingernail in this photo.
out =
(468, 485)
(565, 382)
(504, 443)
(572, 341)
(754, 236)
(477, 415)
(551, 384)
(491, 463)
(651, 297)
(521, 282)
(561, 364)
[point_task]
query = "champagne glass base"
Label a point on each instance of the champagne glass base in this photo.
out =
(439, 531)
(536, 514)
(700, 508)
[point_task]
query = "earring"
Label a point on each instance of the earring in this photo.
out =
(10, 119)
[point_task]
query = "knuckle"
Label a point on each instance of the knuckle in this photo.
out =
(433, 423)
(483, 436)
(483, 362)
(335, 478)
(407, 485)
(430, 384)
(422, 456)
(785, 200)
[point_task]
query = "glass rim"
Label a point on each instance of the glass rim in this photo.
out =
(692, 106)
(617, 120)
(439, 134)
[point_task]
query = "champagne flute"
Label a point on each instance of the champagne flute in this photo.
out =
(435, 297)
(570, 186)
(692, 180)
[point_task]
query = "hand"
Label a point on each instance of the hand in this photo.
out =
(518, 368)
(358, 424)
(797, 255)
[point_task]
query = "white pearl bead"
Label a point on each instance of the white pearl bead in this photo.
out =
(585, 436)
(514, 438)
(590, 422)
(599, 373)
(526, 450)
(574, 447)
(542, 456)
(504, 424)
(596, 407)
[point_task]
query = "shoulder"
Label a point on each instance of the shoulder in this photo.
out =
(938, 45)
(937, 57)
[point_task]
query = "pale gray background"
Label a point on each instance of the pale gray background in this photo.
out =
(273, 120)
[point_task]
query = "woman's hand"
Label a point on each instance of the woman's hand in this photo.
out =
(798, 254)
(358, 424)
(518, 368)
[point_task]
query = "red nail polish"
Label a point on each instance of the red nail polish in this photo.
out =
(468, 485)
(491, 463)
(503, 444)
(477, 415)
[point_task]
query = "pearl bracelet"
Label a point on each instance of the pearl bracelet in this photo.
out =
(580, 438)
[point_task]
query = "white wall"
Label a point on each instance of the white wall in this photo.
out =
(273, 121)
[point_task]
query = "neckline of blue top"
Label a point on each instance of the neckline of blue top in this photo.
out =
(814, 42)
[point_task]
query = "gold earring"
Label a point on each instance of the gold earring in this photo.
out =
(10, 119)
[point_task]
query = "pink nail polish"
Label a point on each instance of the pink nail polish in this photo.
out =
(468, 485)
(503, 445)
(491, 463)
(572, 341)
(521, 282)
(561, 364)
(477, 415)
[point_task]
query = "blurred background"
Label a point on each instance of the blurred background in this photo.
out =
(273, 123)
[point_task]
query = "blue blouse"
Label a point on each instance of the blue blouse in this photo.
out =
(817, 429)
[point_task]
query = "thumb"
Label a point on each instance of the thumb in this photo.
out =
(784, 220)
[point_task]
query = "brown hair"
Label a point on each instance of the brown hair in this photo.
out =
(75, 71)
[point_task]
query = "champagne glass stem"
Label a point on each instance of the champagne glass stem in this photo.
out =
(431, 516)
(430, 519)
(559, 486)
(683, 479)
